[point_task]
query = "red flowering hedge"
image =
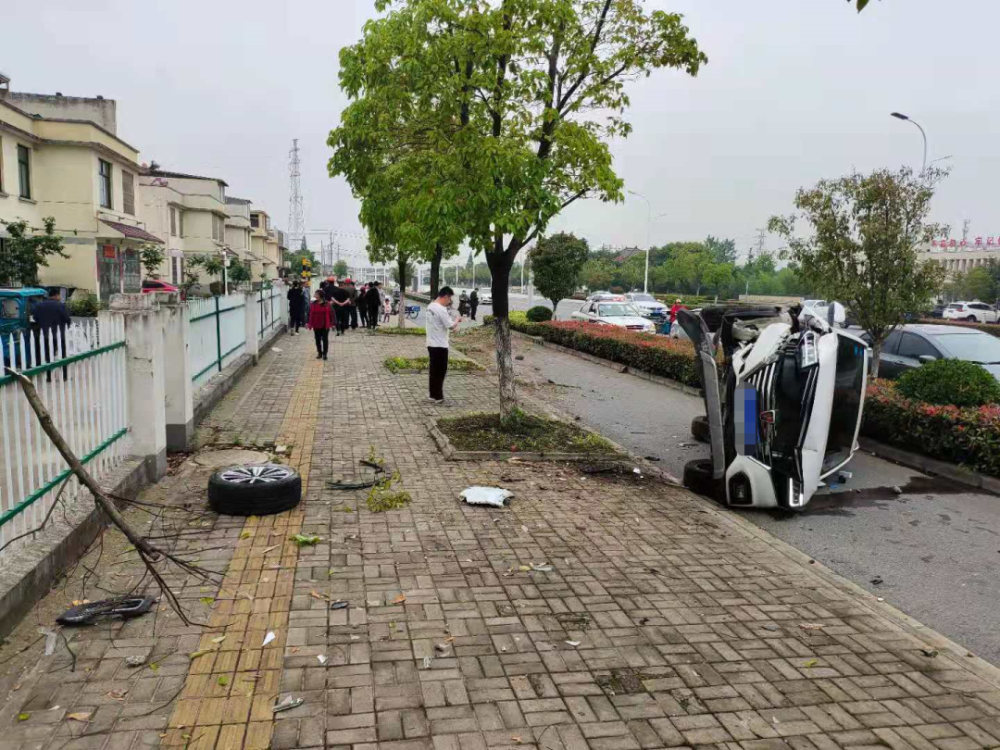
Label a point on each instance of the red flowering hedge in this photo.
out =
(659, 355)
(968, 436)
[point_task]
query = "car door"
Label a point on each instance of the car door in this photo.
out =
(911, 348)
(890, 367)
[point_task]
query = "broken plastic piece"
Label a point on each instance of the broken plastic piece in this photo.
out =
(574, 644)
(286, 704)
(50, 640)
(135, 661)
(123, 607)
(495, 497)
(268, 638)
(339, 604)
(321, 658)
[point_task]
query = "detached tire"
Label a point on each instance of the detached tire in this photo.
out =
(254, 490)
(700, 430)
(698, 477)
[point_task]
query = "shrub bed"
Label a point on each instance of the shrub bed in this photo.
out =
(669, 358)
(419, 364)
(397, 331)
(967, 436)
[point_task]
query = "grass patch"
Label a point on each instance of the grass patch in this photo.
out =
(396, 331)
(396, 364)
(522, 432)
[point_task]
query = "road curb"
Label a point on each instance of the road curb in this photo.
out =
(616, 366)
(930, 465)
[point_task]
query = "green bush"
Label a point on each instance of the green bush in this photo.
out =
(950, 381)
(87, 307)
(516, 318)
(539, 314)
(967, 436)
(397, 331)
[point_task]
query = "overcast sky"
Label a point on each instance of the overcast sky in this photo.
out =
(794, 91)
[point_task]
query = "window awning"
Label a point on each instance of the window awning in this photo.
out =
(128, 232)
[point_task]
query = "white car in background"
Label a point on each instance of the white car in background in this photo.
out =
(618, 314)
(486, 297)
(973, 312)
(647, 304)
(605, 297)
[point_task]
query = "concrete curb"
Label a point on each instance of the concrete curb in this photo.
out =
(616, 366)
(27, 577)
(219, 385)
(931, 465)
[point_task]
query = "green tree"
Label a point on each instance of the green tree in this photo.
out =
(151, 257)
(301, 260)
(340, 269)
(863, 248)
(718, 276)
(597, 273)
(557, 262)
(511, 106)
(722, 251)
(239, 273)
(26, 252)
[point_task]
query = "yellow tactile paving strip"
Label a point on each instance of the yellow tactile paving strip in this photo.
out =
(231, 687)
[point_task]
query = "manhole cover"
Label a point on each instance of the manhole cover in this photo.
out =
(231, 457)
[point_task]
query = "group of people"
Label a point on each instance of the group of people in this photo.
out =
(467, 304)
(336, 305)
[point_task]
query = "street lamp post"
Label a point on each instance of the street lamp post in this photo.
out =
(900, 116)
(649, 221)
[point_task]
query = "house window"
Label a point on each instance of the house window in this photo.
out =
(128, 193)
(180, 222)
(255, 221)
(104, 172)
(175, 275)
(173, 222)
(24, 170)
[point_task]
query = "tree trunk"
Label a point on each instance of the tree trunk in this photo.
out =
(876, 358)
(402, 293)
(555, 306)
(436, 259)
(500, 264)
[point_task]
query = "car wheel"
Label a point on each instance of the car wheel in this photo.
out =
(254, 490)
(971, 318)
(698, 477)
(700, 430)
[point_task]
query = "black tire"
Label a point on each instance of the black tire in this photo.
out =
(698, 477)
(85, 614)
(254, 490)
(971, 319)
(699, 429)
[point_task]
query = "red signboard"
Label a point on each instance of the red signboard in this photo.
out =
(988, 242)
(109, 251)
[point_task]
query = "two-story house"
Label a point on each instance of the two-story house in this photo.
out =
(81, 174)
(264, 244)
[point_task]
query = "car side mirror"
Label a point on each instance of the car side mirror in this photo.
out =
(925, 358)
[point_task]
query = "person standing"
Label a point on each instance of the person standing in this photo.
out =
(372, 304)
(52, 319)
(296, 308)
(473, 303)
(386, 308)
(352, 307)
(678, 305)
(321, 320)
(338, 299)
(363, 305)
(439, 325)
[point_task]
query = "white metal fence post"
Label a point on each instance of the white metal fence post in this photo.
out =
(177, 374)
(143, 322)
(251, 317)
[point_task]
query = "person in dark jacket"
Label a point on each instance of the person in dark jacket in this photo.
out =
(321, 320)
(373, 303)
(296, 308)
(51, 321)
(363, 305)
(339, 299)
(352, 307)
(473, 303)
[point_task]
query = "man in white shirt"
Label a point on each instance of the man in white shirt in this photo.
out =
(439, 325)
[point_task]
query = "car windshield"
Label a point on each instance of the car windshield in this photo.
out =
(974, 347)
(617, 311)
(643, 298)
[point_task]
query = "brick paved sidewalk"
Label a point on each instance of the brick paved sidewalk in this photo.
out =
(663, 623)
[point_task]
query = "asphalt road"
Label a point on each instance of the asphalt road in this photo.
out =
(935, 546)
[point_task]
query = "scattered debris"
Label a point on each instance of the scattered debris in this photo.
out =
(305, 541)
(930, 653)
(219, 639)
(843, 476)
(117, 695)
(23, 717)
(276, 350)
(543, 568)
(770, 626)
(811, 625)
(643, 620)
(339, 604)
(518, 357)
(136, 661)
(811, 663)
(286, 704)
(81, 716)
(877, 581)
(86, 612)
(636, 470)
(316, 595)
(653, 458)
(223, 680)
(269, 549)
(321, 658)
(574, 644)
(897, 490)
(427, 662)
(268, 638)
(50, 640)
(281, 449)
(495, 497)
(441, 648)
(399, 599)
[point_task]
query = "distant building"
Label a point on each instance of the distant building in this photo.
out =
(61, 157)
(264, 245)
(627, 253)
(960, 256)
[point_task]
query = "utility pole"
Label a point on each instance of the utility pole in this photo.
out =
(296, 213)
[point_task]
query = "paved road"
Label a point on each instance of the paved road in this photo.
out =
(936, 546)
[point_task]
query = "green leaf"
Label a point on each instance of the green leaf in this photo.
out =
(305, 541)
(223, 681)
(23, 717)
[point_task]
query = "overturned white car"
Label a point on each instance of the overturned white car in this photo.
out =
(784, 412)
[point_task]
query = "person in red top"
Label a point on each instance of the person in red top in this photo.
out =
(673, 316)
(321, 319)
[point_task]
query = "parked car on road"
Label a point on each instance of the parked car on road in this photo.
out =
(647, 304)
(614, 314)
(486, 297)
(973, 312)
(911, 346)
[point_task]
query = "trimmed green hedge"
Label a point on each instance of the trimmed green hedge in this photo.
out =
(396, 331)
(966, 436)
(539, 314)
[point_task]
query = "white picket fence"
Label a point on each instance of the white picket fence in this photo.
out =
(218, 334)
(83, 383)
(271, 306)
